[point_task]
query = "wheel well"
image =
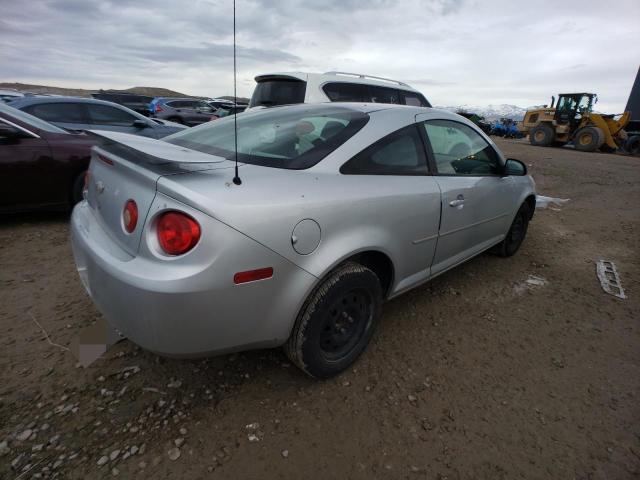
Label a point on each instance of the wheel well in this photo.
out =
(531, 203)
(380, 264)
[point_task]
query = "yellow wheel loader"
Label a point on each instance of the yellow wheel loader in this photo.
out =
(573, 120)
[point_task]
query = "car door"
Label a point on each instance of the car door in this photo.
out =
(114, 119)
(68, 115)
(27, 169)
(477, 199)
(402, 194)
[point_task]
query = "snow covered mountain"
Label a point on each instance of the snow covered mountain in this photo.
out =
(491, 112)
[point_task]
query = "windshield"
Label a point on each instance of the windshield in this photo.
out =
(30, 119)
(269, 93)
(294, 137)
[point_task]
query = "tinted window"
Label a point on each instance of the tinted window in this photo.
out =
(29, 119)
(414, 99)
(202, 106)
(59, 112)
(278, 92)
(460, 150)
(178, 103)
(400, 153)
(105, 115)
(381, 95)
(294, 137)
(343, 92)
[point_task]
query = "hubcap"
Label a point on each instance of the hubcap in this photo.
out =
(585, 139)
(345, 324)
(539, 136)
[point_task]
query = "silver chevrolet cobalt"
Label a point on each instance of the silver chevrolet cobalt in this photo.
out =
(335, 208)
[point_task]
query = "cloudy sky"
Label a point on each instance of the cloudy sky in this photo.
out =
(455, 51)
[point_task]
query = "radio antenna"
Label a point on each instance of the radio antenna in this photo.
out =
(236, 178)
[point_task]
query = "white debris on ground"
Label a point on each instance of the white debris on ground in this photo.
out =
(532, 281)
(254, 434)
(609, 278)
(543, 202)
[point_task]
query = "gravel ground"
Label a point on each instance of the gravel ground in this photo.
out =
(477, 374)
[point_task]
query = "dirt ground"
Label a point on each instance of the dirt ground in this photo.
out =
(475, 375)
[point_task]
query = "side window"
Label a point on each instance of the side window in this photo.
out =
(400, 153)
(59, 112)
(203, 107)
(105, 115)
(382, 95)
(343, 92)
(460, 150)
(176, 104)
(414, 99)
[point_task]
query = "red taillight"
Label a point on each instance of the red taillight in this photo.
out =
(158, 108)
(130, 216)
(253, 275)
(177, 233)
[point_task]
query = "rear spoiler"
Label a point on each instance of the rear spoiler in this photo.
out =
(138, 149)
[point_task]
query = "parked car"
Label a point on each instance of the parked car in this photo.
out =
(41, 166)
(230, 110)
(298, 87)
(336, 207)
(86, 114)
(220, 102)
(133, 101)
(8, 94)
(187, 111)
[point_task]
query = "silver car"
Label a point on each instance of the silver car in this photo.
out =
(334, 209)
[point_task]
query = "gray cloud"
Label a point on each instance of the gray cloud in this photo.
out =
(455, 51)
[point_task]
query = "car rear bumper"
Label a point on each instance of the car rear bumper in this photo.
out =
(189, 306)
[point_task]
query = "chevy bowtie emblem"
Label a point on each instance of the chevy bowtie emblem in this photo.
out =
(100, 187)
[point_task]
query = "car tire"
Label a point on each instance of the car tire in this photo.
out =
(516, 234)
(76, 189)
(336, 322)
(588, 139)
(542, 135)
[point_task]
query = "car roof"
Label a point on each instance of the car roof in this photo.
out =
(343, 77)
(35, 100)
(171, 99)
(26, 101)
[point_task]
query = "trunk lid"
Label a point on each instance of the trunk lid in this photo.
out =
(127, 167)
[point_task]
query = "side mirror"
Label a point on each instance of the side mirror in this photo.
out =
(139, 123)
(515, 167)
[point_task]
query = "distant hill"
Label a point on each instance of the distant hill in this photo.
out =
(79, 92)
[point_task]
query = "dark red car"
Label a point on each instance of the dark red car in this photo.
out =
(41, 166)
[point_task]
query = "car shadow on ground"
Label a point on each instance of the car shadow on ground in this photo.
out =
(12, 220)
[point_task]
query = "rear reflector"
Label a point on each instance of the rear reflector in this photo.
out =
(253, 275)
(85, 187)
(130, 216)
(177, 233)
(104, 159)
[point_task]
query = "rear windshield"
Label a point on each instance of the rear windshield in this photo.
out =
(269, 93)
(294, 137)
